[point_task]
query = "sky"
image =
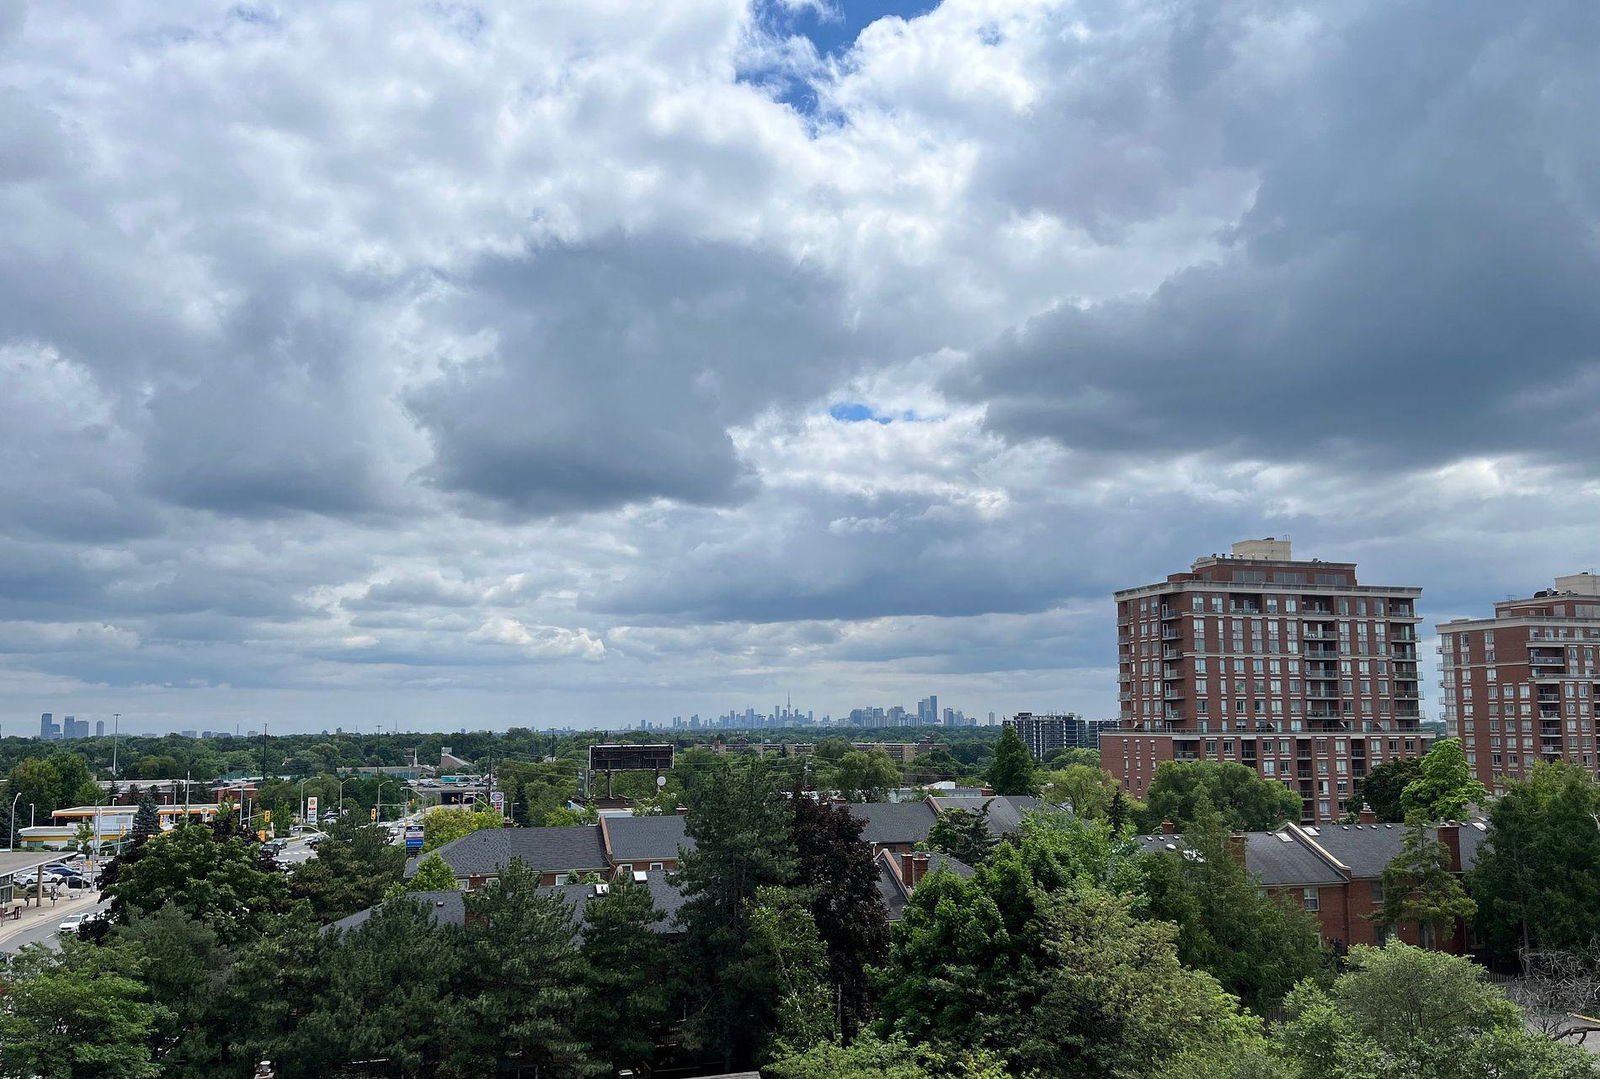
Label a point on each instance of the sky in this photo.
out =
(437, 365)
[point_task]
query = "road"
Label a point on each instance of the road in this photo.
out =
(44, 932)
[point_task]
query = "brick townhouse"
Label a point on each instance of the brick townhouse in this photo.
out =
(1336, 871)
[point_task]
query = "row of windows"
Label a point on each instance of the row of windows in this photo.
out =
(1343, 606)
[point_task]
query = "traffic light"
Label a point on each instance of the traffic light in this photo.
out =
(374, 813)
(266, 815)
(262, 835)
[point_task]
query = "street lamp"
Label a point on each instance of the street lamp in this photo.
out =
(13, 815)
(116, 727)
(342, 782)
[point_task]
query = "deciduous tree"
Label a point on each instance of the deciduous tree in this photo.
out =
(1444, 786)
(840, 881)
(1419, 886)
(1245, 800)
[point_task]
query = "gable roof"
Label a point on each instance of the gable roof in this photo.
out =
(547, 850)
(448, 908)
(1005, 810)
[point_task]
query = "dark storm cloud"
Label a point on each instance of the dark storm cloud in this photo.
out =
(618, 367)
(1415, 280)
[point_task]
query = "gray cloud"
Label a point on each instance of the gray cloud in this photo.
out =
(618, 367)
(1413, 281)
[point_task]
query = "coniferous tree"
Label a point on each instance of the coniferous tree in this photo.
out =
(354, 867)
(625, 963)
(1011, 771)
(521, 1008)
(146, 819)
(741, 828)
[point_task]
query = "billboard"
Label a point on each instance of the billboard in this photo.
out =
(413, 839)
(630, 758)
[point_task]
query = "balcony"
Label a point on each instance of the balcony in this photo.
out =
(1170, 633)
(1171, 672)
(1403, 633)
(1320, 651)
(1319, 635)
(1172, 653)
(1173, 693)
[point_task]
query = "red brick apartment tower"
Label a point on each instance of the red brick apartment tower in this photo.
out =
(1289, 667)
(1522, 686)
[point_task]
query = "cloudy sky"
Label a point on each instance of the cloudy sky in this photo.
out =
(446, 364)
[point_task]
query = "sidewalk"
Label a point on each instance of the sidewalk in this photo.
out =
(70, 901)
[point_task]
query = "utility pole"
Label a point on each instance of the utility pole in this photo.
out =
(116, 728)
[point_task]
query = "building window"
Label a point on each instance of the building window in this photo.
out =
(655, 865)
(1310, 898)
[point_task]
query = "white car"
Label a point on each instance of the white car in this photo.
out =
(72, 923)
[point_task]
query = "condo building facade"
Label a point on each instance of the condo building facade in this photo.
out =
(1292, 668)
(1523, 686)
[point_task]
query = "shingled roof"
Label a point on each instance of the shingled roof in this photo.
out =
(546, 850)
(646, 839)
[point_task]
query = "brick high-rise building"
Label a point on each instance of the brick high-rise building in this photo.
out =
(1289, 667)
(1523, 686)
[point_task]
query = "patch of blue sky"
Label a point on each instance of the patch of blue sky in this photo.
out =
(858, 412)
(827, 29)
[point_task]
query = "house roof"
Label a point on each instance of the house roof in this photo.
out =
(892, 890)
(449, 908)
(547, 850)
(894, 822)
(663, 888)
(646, 839)
(1300, 854)
(1005, 810)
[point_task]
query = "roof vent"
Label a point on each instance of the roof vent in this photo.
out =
(1172, 846)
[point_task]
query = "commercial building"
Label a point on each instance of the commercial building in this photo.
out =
(1063, 730)
(1522, 687)
(48, 728)
(1292, 668)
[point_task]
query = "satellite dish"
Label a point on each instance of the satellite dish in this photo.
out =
(661, 781)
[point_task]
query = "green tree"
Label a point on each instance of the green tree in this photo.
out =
(869, 1057)
(1011, 771)
(867, 776)
(390, 991)
(355, 866)
(1086, 790)
(1444, 786)
(1419, 886)
(785, 964)
(146, 819)
(186, 969)
(522, 1010)
(840, 879)
(1408, 1012)
(222, 883)
(741, 829)
(1258, 946)
(1381, 788)
(1537, 870)
(1246, 802)
(433, 875)
(1065, 983)
(82, 1014)
(963, 834)
(36, 785)
(443, 825)
(626, 964)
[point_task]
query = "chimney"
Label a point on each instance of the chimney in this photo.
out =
(1450, 836)
(476, 881)
(986, 792)
(1238, 843)
(1168, 828)
(913, 867)
(1367, 815)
